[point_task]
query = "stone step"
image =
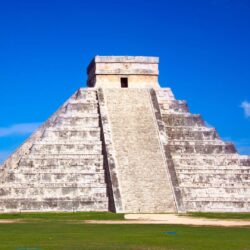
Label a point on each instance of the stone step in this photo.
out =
(212, 170)
(70, 141)
(218, 199)
(92, 170)
(72, 134)
(164, 94)
(228, 148)
(34, 205)
(219, 206)
(78, 114)
(187, 129)
(211, 178)
(86, 94)
(79, 152)
(211, 160)
(76, 193)
(187, 142)
(74, 128)
(81, 115)
(72, 163)
(84, 148)
(51, 185)
(34, 197)
(191, 135)
(75, 143)
(86, 122)
(215, 192)
(83, 101)
(101, 189)
(84, 178)
(228, 185)
(81, 107)
(72, 156)
(44, 142)
(177, 106)
(176, 120)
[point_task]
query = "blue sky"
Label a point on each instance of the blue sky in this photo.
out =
(45, 47)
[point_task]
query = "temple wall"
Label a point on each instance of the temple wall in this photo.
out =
(106, 72)
(134, 81)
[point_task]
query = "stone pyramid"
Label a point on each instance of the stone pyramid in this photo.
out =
(125, 144)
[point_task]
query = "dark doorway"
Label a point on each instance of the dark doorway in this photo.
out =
(124, 82)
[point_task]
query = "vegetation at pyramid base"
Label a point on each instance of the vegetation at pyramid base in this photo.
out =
(64, 216)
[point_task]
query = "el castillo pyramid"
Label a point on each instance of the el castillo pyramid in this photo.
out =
(125, 144)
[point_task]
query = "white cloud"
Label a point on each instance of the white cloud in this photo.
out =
(3, 155)
(244, 150)
(14, 130)
(208, 125)
(243, 147)
(246, 107)
(19, 129)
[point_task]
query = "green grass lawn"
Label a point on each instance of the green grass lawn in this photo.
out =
(245, 216)
(67, 231)
(64, 216)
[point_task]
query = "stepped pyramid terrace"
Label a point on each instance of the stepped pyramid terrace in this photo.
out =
(126, 145)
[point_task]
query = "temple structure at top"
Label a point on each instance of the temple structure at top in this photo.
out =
(125, 144)
(123, 72)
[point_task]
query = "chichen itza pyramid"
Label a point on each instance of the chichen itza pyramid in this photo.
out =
(125, 144)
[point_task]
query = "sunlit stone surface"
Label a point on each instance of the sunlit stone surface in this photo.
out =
(126, 145)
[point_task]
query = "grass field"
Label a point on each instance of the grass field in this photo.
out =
(68, 231)
(64, 216)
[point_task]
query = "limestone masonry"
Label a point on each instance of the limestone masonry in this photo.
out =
(125, 144)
